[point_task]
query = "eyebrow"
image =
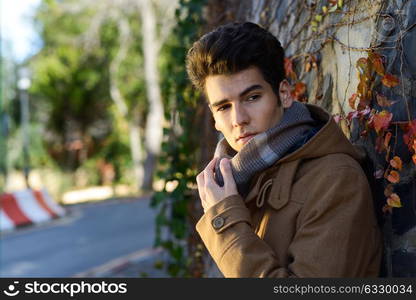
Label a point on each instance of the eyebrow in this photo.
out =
(246, 91)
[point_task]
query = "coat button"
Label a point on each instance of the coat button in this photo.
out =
(218, 222)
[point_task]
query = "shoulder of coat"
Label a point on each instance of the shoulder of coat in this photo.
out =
(328, 164)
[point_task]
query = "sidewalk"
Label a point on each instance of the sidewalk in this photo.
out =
(137, 265)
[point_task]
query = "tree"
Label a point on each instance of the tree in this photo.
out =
(69, 88)
(155, 28)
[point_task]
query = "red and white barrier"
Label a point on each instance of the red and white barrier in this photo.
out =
(27, 207)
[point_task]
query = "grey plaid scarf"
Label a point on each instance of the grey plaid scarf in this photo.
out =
(263, 150)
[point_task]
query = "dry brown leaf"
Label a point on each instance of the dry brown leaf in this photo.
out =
(393, 177)
(396, 163)
(390, 80)
(394, 200)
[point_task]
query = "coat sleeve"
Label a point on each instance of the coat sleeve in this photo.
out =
(336, 235)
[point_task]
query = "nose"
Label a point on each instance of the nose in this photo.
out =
(240, 115)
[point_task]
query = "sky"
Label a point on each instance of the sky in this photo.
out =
(17, 33)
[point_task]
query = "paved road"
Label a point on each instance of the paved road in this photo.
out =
(90, 236)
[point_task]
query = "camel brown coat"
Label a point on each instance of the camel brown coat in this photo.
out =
(309, 215)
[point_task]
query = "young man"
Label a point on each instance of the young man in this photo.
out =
(285, 195)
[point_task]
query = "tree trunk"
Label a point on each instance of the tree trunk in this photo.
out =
(154, 122)
(136, 148)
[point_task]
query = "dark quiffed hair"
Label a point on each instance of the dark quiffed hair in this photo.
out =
(235, 47)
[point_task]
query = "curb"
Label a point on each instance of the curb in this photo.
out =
(119, 267)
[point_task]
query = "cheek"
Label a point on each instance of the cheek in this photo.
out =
(218, 123)
(216, 126)
(270, 115)
(221, 124)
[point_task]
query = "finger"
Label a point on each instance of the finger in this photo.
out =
(201, 186)
(211, 164)
(227, 174)
(204, 205)
(200, 180)
(209, 171)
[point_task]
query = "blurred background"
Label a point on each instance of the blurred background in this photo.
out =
(101, 134)
(82, 113)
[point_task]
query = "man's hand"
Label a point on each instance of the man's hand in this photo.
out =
(209, 191)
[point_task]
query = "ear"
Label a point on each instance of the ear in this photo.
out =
(285, 93)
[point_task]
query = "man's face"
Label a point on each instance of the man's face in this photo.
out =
(244, 104)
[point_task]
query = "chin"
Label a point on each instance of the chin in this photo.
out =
(234, 146)
(237, 149)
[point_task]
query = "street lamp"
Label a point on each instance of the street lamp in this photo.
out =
(23, 85)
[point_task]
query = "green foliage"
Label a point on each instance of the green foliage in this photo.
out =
(178, 159)
(71, 87)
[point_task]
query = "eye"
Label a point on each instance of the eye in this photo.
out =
(224, 107)
(253, 98)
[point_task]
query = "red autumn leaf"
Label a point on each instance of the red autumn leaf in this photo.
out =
(396, 163)
(394, 200)
(377, 62)
(388, 190)
(299, 90)
(382, 120)
(387, 138)
(383, 101)
(414, 158)
(414, 145)
(352, 100)
(289, 69)
(390, 80)
(393, 177)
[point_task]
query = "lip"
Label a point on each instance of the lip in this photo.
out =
(245, 138)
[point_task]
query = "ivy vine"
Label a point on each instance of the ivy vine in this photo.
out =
(370, 108)
(178, 163)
